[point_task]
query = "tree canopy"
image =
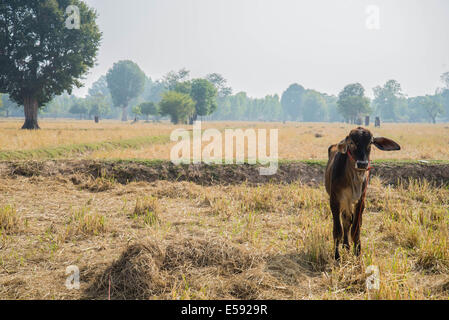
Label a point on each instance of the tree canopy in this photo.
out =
(179, 106)
(387, 100)
(291, 101)
(433, 107)
(172, 78)
(100, 87)
(125, 82)
(40, 56)
(352, 102)
(202, 91)
(315, 108)
(148, 108)
(220, 84)
(445, 79)
(98, 105)
(204, 94)
(80, 108)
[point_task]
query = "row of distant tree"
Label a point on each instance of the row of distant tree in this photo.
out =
(183, 99)
(299, 104)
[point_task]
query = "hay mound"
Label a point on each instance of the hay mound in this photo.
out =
(98, 184)
(135, 275)
(202, 253)
(146, 270)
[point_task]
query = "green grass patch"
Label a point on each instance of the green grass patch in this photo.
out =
(77, 149)
(321, 163)
(395, 162)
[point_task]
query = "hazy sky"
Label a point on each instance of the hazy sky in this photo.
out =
(262, 46)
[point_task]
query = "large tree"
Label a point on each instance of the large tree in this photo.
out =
(155, 91)
(332, 109)
(148, 108)
(445, 79)
(220, 84)
(415, 110)
(172, 78)
(433, 107)
(125, 82)
(445, 101)
(42, 52)
(100, 87)
(179, 106)
(315, 108)
(183, 87)
(204, 94)
(80, 107)
(352, 102)
(444, 92)
(99, 98)
(291, 101)
(98, 105)
(387, 99)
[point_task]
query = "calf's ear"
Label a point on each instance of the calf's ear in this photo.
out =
(342, 146)
(386, 144)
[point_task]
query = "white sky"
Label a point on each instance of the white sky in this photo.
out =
(262, 46)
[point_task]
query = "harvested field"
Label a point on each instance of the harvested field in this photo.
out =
(214, 241)
(297, 141)
(147, 229)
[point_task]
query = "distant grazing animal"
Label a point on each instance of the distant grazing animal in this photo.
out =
(346, 179)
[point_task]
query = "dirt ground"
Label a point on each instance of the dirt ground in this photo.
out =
(288, 172)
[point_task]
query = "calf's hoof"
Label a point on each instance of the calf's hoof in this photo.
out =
(357, 250)
(337, 255)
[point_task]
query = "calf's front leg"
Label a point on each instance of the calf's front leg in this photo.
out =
(337, 230)
(357, 225)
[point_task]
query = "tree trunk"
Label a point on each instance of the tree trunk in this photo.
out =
(124, 113)
(193, 118)
(30, 108)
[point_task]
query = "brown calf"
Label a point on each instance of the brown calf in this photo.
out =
(346, 181)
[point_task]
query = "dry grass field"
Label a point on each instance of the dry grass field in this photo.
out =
(296, 140)
(181, 240)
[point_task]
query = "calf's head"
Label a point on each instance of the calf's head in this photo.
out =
(358, 146)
